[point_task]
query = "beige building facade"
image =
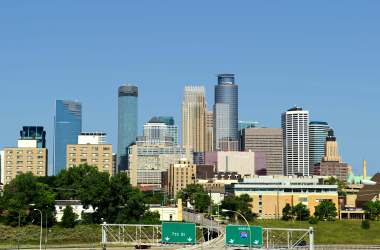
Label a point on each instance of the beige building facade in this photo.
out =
(209, 131)
(98, 155)
(180, 175)
(194, 119)
(271, 194)
(15, 161)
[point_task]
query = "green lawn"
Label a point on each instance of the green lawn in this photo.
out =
(337, 232)
(334, 232)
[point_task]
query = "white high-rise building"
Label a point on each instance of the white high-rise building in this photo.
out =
(295, 129)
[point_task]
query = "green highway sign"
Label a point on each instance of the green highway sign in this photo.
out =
(183, 233)
(237, 235)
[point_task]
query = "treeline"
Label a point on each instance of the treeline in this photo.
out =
(113, 198)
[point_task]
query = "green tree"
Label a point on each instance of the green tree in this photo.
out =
(23, 191)
(326, 210)
(287, 212)
(122, 203)
(69, 218)
(372, 210)
(335, 181)
(241, 204)
(301, 212)
(151, 218)
(195, 194)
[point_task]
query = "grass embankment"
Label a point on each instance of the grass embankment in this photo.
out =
(333, 232)
(30, 235)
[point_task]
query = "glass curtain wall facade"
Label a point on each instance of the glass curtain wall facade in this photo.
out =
(34, 133)
(161, 127)
(127, 123)
(318, 132)
(225, 110)
(68, 125)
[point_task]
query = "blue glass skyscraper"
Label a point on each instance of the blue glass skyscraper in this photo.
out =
(127, 123)
(68, 125)
(318, 132)
(225, 110)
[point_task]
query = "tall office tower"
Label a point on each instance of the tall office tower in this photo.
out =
(209, 131)
(331, 164)
(127, 123)
(317, 135)
(161, 130)
(147, 161)
(171, 127)
(194, 119)
(267, 141)
(34, 133)
(225, 112)
(295, 131)
(331, 152)
(68, 125)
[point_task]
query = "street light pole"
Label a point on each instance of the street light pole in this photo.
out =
(46, 232)
(249, 227)
(41, 227)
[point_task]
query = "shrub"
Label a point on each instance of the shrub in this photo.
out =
(69, 217)
(313, 220)
(365, 224)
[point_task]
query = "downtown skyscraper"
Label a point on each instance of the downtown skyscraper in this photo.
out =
(194, 119)
(318, 132)
(226, 114)
(67, 126)
(127, 123)
(295, 131)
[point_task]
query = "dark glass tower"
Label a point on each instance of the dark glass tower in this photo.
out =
(225, 110)
(318, 131)
(34, 133)
(68, 125)
(127, 123)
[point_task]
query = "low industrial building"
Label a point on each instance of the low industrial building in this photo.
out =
(270, 194)
(168, 213)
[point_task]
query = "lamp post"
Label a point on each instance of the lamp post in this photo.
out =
(41, 227)
(249, 228)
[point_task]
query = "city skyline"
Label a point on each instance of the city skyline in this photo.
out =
(333, 76)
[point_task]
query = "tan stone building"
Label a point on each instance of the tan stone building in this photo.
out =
(271, 194)
(209, 131)
(180, 175)
(194, 119)
(98, 155)
(15, 161)
(30, 155)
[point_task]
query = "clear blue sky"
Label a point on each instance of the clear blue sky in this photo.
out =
(322, 55)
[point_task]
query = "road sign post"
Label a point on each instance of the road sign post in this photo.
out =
(237, 235)
(178, 233)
